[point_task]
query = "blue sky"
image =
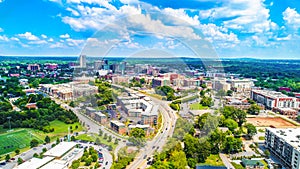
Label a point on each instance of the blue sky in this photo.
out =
(220, 28)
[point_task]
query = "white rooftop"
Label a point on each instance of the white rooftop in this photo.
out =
(55, 164)
(290, 135)
(34, 163)
(60, 149)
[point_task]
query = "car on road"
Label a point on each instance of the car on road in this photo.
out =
(153, 147)
(3, 163)
(106, 163)
(144, 156)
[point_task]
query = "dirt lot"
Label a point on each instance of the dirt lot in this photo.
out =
(268, 121)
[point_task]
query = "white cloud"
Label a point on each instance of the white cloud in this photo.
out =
(74, 42)
(129, 1)
(50, 40)
(292, 18)
(14, 39)
(180, 14)
(44, 36)
(1, 29)
(250, 16)
(37, 42)
(286, 38)
(219, 35)
(74, 12)
(3, 38)
(65, 36)
(28, 36)
(57, 45)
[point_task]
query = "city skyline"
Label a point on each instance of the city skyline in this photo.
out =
(232, 28)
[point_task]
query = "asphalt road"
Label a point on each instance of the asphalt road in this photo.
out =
(157, 143)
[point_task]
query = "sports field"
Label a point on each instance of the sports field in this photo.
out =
(13, 140)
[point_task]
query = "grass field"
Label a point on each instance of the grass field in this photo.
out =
(213, 160)
(198, 106)
(18, 139)
(60, 130)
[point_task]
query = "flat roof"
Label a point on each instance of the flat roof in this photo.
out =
(271, 94)
(34, 163)
(60, 149)
(290, 135)
(117, 123)
(100, 114)
(55, 164)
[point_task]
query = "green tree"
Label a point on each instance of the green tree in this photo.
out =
(232, 145)
(72, 104)
(88, 161)
(267, 153)
(240, 116)
(35, 155)
(7, 157)
(17, 151)
(47, 139)
(94, 157)
(97, 141)
(231, 124)
(206, 101)
(34, 143)
(253, 109)
(20, 160)
(251, 129)
(57, 141)
(137, 133)
(229, 93)
(44, 150)
(100, 132)
(109, 138)
(178, 159)
(75, 164)
(116, 141)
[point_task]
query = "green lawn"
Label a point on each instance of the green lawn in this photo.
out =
(17, 139)
(213, 160)
(198, 106)
(92, 137)
(237, 166)
(60, 130)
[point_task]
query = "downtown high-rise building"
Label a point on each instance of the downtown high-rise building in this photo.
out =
(82, 61)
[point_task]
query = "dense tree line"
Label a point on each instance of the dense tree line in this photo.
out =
(166, 91)
(47, 111)
(105, 95)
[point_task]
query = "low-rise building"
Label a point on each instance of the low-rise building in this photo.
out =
(100, 117)
(252, 164)
(118, 127)
(291, 113)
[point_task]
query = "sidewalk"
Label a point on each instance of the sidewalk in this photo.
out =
(226, 161)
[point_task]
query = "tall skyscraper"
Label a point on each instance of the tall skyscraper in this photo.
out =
(82, 61)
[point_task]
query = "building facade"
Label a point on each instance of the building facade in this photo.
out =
(284, 144)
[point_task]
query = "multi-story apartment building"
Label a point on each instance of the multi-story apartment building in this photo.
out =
(118, 127)
(285, 144)
(273, 99)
